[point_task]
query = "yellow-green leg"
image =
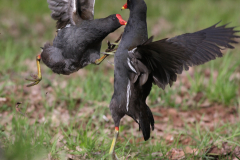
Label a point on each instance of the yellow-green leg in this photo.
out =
(106, 54)
(36, 78)
(99, 61)
(112, 154)
(109, 51)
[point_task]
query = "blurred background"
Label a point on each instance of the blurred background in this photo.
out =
(67, 117)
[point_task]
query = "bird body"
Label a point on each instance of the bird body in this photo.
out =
(79, 38)
(140, 62)
(76, 46)
(129, 98)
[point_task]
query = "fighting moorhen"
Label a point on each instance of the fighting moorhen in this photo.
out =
(79, 38)
(139, 62)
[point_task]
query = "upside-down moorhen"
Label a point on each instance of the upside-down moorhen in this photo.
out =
(79, 38)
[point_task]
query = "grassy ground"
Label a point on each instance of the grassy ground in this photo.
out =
(68, 116)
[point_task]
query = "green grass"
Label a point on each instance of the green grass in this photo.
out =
(64, 114)
(223, 89)
(32, 141)
(23, 143)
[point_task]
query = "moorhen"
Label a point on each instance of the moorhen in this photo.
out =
(139, 63)
(79, 38)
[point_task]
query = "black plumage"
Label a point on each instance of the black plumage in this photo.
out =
(79, 38)
(76, 46)
(168, 57)
(129, 98)
(139, 63)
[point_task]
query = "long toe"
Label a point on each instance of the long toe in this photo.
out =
(33, 84)
(34, 81)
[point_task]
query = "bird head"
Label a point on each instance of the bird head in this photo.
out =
(135, 5)
(125, 6)
(121, 21)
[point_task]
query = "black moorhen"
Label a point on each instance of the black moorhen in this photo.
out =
(79, 38)
(139, 62)
(76, 46)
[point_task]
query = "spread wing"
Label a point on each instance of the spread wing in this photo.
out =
(206, 45)
(71, 11)
(168, 57)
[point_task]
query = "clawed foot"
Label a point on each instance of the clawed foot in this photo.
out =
(99, 61)
(111, 50)
(35, 78)
(111, 46)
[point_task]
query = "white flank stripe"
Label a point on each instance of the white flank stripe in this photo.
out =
(130, 65)
(74, 5)
(128, 93)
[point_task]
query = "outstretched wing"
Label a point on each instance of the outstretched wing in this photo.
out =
(205, 45)
(71, 11)
(168, 57)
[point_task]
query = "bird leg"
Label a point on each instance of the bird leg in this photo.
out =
(99, 61)
(112, 152)
(36, 78)
(117, 42)
(109, 51)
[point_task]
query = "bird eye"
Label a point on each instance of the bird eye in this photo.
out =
(113, 18)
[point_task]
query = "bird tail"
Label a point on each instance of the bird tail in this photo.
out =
(145, 121)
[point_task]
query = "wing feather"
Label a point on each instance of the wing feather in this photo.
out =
(168, 57)
(71, 11)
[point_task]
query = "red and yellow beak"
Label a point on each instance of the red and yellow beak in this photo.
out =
(125, 6)
(121, 21)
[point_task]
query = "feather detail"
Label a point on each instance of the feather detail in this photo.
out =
(128, 93)
(130, 66)
(71, 11)
(168, 57)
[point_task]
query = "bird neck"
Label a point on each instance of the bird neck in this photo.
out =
(105, 26)
(135, 32)
(138, 16)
